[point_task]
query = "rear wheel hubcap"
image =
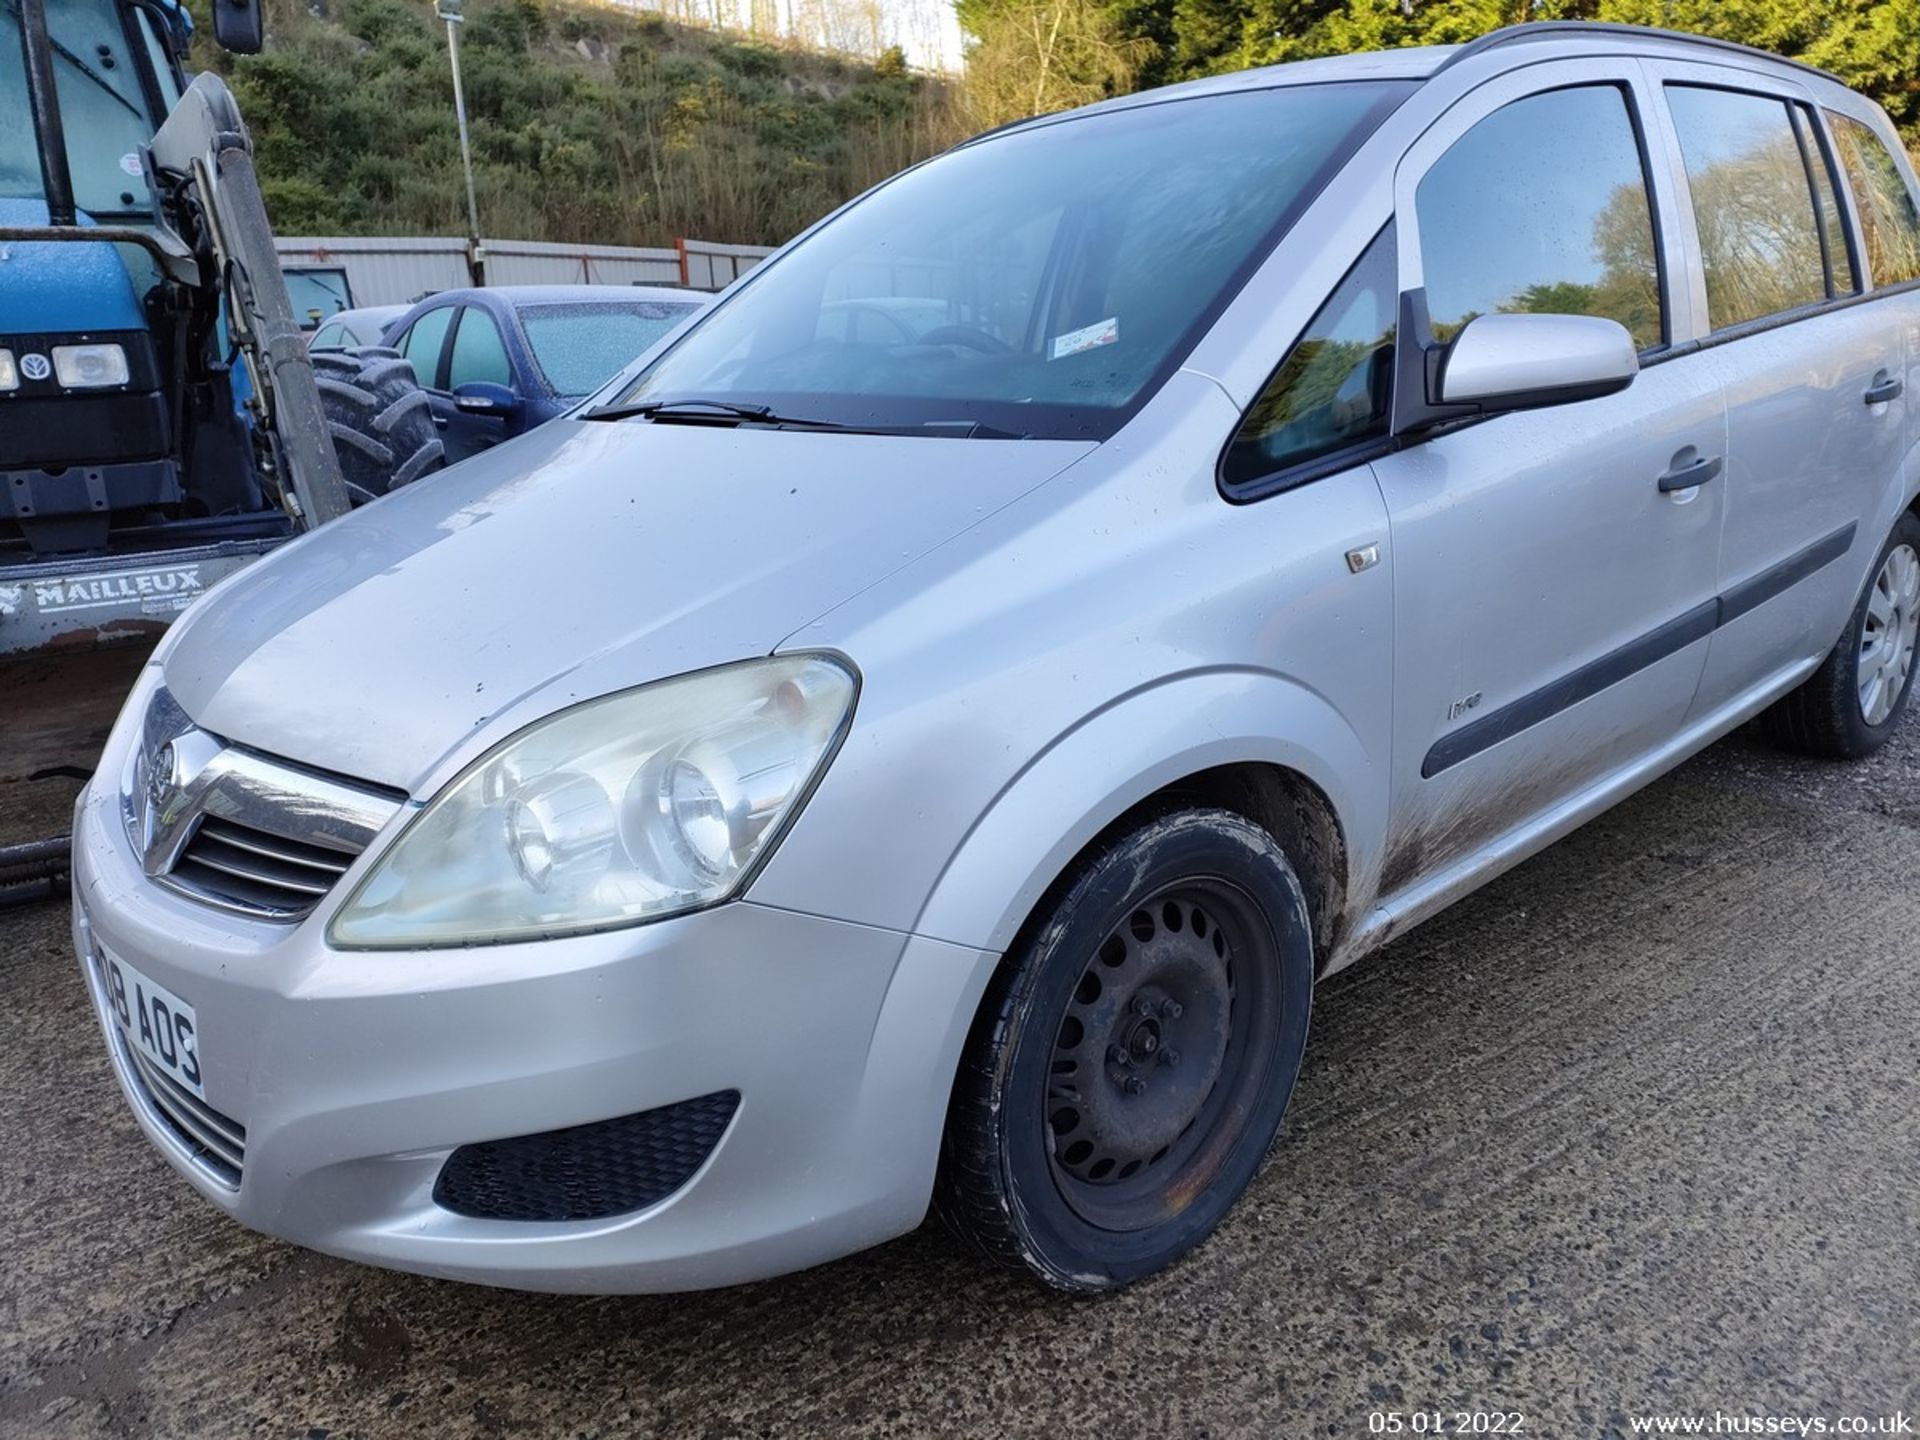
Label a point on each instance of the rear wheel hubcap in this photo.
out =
(1890, 636)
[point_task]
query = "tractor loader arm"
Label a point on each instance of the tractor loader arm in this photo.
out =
(204, 144)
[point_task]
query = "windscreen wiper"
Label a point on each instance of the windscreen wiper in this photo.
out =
(728, 412)
(714, 412)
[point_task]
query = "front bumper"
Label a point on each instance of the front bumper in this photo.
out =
(355, 1074)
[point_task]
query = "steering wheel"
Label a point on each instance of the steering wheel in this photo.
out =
(967, 337)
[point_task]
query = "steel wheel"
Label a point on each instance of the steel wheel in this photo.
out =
(1155, 1022)
(1133, 1057)
(1888, 638)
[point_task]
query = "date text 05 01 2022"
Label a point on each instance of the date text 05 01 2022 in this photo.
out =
(1446, 1422)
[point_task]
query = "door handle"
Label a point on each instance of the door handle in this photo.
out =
(440, 421)
(1885, 387)
(1685, 477)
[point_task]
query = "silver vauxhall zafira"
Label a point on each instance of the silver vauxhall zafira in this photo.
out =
(916, 738)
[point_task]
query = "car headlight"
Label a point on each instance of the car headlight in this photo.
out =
(9, 372)
(618, 811)
(89, 367)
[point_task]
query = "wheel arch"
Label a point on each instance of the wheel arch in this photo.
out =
(1256, 744)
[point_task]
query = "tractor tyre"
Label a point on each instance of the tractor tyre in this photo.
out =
(381, 422)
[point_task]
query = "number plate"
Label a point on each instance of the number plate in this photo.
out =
(156, 1022)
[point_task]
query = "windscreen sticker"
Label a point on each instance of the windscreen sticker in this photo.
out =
(1107, 332)
(130, 162)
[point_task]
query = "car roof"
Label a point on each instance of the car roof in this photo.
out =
(1412, 62)
(1424, 62)
(361, 316)
(379, 314)
(519, 297)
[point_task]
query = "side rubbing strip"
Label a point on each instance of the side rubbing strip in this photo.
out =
(1570, 690)
(1784, 576)
(1610, 669)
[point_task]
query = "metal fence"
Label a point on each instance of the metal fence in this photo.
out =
(389, 270)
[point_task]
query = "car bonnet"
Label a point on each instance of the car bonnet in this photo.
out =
(580, 559)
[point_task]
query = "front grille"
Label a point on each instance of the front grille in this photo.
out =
(42, 433)
(252, 869)
(218, 1144)
(586, 1172)
(239, 830)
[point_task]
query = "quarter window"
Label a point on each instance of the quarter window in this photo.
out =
(424, 343)
(1889, 222)
(1333, 389)
(1542, 208)
(1752, 204)
(478, 351)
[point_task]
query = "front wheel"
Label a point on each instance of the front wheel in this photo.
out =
(1134, 1056)
(1849, 707)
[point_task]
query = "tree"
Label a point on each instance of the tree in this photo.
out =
(1873, 45)
(1029, 57)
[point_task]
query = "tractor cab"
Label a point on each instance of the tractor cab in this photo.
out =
(117, 71)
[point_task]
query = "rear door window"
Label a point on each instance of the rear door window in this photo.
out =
(1542, 208)
(1889, 220)
(424, 343)
(1753, 203)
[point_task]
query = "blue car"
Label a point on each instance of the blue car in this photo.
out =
(499, 361)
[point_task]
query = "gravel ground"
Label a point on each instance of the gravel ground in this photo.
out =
(1635, 1130)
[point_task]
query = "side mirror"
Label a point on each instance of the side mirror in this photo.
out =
(1523, 362)
(483, 397)
(239, 25)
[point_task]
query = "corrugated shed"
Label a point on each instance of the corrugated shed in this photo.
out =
(540, 262)
(397, 270)
(710, 265)
(383, 271)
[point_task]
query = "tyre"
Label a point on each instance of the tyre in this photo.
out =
(1854, 701)
(380, 419)
(1134, 1055)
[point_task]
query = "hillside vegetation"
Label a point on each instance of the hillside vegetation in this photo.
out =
(588, 123)
(599, 122)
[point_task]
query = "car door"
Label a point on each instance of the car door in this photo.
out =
(1816, 430)
(478, 353)
(1552, 599)
(1882, 198)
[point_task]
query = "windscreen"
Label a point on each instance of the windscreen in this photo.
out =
(581, 347)
(1039, 282)
(102, 106)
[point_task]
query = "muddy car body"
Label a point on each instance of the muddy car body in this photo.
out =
(650, 856)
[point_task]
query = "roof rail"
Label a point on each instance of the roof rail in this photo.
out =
(1574, 29)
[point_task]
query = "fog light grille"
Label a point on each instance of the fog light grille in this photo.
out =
(586, 1172)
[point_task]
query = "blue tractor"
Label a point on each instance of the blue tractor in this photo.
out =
(161, 422)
